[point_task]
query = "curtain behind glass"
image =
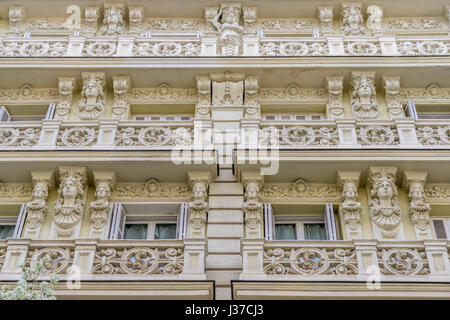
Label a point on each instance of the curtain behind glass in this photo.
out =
(285, 232)
(135, 231)
(315, 231)
(6, 231)
(165, 231)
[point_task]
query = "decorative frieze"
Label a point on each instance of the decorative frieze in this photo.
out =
(350, 208)
(335, 106)
(15, 190)
(93, 96)
(163, 93)
(152, 189)
(26, 94)
(66, 87)
(26, 137)
(437, 192)
(352, 21)
(433, 93)
(293, 93)
(363, 95)
(121, 107)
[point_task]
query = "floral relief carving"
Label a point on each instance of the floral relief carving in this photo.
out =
(60, 261)
(433, 135)
(287, 24)
(352, 21)
(153, 136)
(432, 92)
(152, 188)
(403, 261)
(310, 261)
(325, 15)
(378, 135)
(121, 107)
(335, 106)
(268, 137)
(362, 48)
(413, 24)
(135, 18)
(291, 48)
(436, 192)
(99, 49)
(392, 90)
(299, 189)
(91, 15)
(167, 49)
(93, 95)
(363, 95)
(19, 137)
(412, 48)
(162, 93)
(15, 190)
(230, 31)
(77, 137)
(302, 136)
(291, 93)
(28, 94)
(33, 48)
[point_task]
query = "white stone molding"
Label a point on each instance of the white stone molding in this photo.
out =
(91, 15)
(202, 109)
(66, 87)
(335, 106)
(69, 206)
(162, 94)
(347, 132)
(352, 20)
(437, 193)
(93, 96)
(407, 134)
(198, 206)
(16, 18)
(437, 256)
(250, 15)
(227, 89)
(350, 208)
(419, 210)
(363, 97)
(230, 31)
(392, 92)
(384, 207)
(432, 94)
(375, 19)
(251, 85)
(136, 16)
(113, 19)
(9, 192)
(388, 45)
(325, 15)
(252, 259)
(37, 208)
(121, 107)
(152, 190)
(252, 207)
(100, 208)
(75, 46)
(293, 94)
(28, 95)
(107, 133)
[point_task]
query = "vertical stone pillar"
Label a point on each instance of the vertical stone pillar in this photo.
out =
(252, 251)
(37, 207)
(407, 133)
(125, 46)
(347, 133)
(252, 207)
(84, 255)
(49, 134)
(388, 46)
(350, 208)
(75, 46)
(198, 206)
(325, 15)
(121, 108)
(437, 256)
(366, 256)
(17, 250)
(194, 259)
(336, 46)
(419, 211)
(106, 133)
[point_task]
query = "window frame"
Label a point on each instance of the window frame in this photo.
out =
(299, 222)
(446, 221)
(151, 226)
(9, 221)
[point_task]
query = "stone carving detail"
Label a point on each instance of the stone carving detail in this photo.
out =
(335, 106)
(375, 19)
(162, 93)
(91, 15)
(392, 90)
(362, 48)
(33, 48)
(28, 94)
(60, 261)
(121, 107)
(15, 190)
(203, 97)
(300, 189)
(37, 207)
(414, 24)
(437, 192)
(19, 137)
(363, 95)
(268, 137)
(429, 48)
(152, 188)
(419, 210)
(377, 135)
(77, 137)
(69, 206)
(16, 17)
(351, 207)
(293, 48)
(99, 48)
(251, 97)
(136, 18)
(310, 261)
(249, 15)
(101, 206)
(326, 19)
(227, 24)
(153, 136)
(113, 20)
(93, 95)
(431, 93)
(352, 21)
(167, 49)
(303, 136)
(293, 93)
(138, 261)
(252, 207)
(384, 207)
(66, 87)
(198, 206)
(227, 89)
(403, 261)
(433, 135)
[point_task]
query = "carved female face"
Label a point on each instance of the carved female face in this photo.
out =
(91, 89)
(69, 189)
(416, 193)
(350, 193)
(385, 190)
(364, 89)
(353, 16)
(198, 192)
(101, 191)
(39, 191)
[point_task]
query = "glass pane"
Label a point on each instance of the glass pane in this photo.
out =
(6, 231)
(285, 232)
(439, 228)
(135, 231)
(315, 231)
(165, 231)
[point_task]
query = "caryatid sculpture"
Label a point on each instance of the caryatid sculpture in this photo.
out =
(363, 95)
(92, 103)
(226, 21)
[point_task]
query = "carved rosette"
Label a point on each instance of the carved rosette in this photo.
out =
(69, 206)
(352, 21)
(66, 87)
(392, 90)
(384, 206)
(363, 95)
(335, 106)
(251, 97)
(198, 207)
(203, 97)
(121, 107)
(93, 95)
(113, 19)
(230, 31)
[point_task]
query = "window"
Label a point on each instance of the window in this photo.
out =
(7, 229)
(296, 116)
(161, 117)
(12, 225)
(441, 227)
(148, 221)
(300, 227)
(49, 113)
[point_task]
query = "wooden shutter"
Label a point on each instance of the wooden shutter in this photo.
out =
(439, 229)
(20, 222)
(410, 110)
(330, 222)
(182, 221)
(50, 111)
(117, 222)
(4, 114)
(269, 222)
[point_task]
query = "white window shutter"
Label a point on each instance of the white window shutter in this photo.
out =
(4, 114)
(269, 222)
(117, 222)
(50, 111)
(411, 110)
(182, 221)
(439, 229)
(330, 222)
(20, 222)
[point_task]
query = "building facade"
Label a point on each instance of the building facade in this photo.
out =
(227, 150)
